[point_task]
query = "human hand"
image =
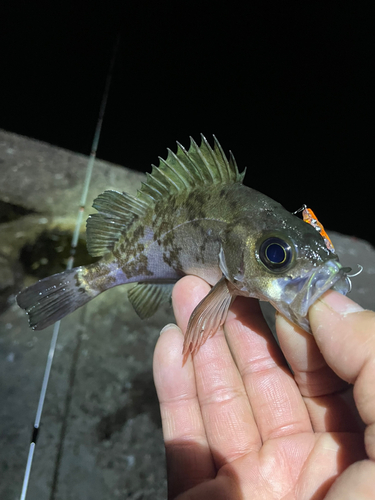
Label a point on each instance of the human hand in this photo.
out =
(241, 426)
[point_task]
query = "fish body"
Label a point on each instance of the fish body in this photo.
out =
(194, 216)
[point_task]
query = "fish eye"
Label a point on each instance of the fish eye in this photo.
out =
(275, 253)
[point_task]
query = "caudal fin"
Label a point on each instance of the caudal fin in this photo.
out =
(52, 298)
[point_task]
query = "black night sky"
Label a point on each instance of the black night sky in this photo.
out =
(287, 86)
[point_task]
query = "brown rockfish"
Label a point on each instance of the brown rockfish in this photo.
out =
(194, 216)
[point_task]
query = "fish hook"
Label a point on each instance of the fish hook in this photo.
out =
(358, 272)
(300, 210)
(352, 276)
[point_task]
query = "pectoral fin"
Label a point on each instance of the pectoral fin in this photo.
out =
(207, 317)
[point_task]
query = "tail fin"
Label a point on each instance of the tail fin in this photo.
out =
(52, 298)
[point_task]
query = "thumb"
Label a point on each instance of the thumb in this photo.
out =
(345, 334)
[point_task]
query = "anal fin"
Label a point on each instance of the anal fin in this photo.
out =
(207, 317)
(147, 297)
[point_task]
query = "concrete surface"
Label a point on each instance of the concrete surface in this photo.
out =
(101, 433)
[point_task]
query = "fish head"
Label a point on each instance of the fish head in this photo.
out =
(288, 264)
(293, 294)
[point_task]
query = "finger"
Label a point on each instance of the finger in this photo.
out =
(230, 427)
(357, 482)
(345, 334)
(189, 460)
(277, 405)
(311, 372)
(328, 398)
(187, 293)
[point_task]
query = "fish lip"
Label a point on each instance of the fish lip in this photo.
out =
(308, 289)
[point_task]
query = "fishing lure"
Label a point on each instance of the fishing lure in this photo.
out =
(309, 217)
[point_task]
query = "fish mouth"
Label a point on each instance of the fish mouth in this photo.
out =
(302, 292)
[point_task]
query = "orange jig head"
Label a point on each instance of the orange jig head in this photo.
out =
(309, 217)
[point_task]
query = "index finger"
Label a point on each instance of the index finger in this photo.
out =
(226, 412)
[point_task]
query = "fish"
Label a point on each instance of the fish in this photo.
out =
(194, 216)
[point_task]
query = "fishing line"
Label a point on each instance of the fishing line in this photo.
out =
(73, 246)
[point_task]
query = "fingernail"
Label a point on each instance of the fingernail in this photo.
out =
(168, 327)
(340, 303)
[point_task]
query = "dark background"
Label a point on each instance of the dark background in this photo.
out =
(287, 86)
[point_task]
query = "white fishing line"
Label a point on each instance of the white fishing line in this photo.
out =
(82, 204)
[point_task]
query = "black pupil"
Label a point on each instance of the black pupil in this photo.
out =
(275, 253)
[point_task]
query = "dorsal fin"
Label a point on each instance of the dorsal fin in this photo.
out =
(181, 171)
(116, 212)
(185, 170)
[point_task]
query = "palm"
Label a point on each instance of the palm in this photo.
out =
(294, 467)
(244, 428)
